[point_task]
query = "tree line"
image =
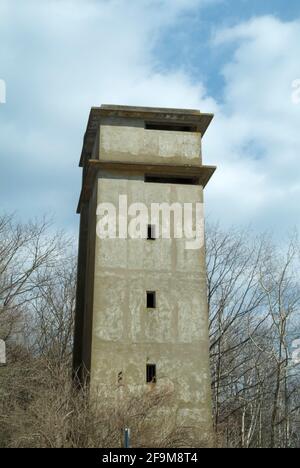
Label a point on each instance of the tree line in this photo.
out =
(253, 297)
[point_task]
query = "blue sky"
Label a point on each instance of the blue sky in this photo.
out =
(236, 58)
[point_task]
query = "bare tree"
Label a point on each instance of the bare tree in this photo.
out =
(254, 309)
(28, 253)
(53, 312)
(253, 291)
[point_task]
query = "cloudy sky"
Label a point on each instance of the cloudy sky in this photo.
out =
(236, 58)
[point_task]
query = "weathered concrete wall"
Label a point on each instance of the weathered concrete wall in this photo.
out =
(126, 335)
(136, 144)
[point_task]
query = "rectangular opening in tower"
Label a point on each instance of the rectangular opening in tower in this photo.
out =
(151, 299)
(151, 373)
(158, 179)
(151, 232)
(169, 127)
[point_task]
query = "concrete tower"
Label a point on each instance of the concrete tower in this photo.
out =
(141, 314)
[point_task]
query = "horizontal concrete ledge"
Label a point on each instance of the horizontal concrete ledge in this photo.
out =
(163, 110)
(201, 173)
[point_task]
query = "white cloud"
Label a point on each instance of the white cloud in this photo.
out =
(256, 131)
(59, 58)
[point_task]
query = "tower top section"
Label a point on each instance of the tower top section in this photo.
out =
(145, 142)
(156, 118)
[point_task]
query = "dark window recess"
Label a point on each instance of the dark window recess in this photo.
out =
(151, 300)
(151, 232)
(151, 373)
(169, 127)
(171, 180)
